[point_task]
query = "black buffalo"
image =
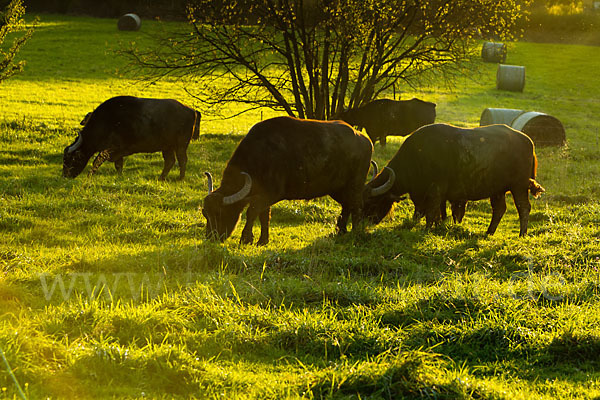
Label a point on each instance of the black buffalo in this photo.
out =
(126, 125)
(390, 117)
(285, 158)
(442, 162)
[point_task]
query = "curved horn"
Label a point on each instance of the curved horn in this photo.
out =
(375, 170)
(243, 192)
(210, 182)
(75, 145)
(378, 191)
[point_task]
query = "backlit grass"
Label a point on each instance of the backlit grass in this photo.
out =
(108, 288)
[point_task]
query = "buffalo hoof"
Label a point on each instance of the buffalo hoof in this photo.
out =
(246, 239)
(262, 242)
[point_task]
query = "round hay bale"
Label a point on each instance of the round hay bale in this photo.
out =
(491, 116)
(543, 129)
(510, 77)
(129, 22)
(493, 52)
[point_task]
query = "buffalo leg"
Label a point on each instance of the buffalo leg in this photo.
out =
(432, 207)
(443, 213)
(182, 158)
(352, 205)
(98, 161)
(169, 157)
(357, 216)
(119, 165)
(264, 218)
(432, 216)
(498, 203)
(458, 210)
(420, 208)
(356, 207)
(257, 208)
(354, 210)
(417, 215)
(342, 220)
(523, 207)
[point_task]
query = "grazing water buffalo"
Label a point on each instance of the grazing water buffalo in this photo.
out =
(390, 117)
(125, 125)
(286, 158)
(442, 162)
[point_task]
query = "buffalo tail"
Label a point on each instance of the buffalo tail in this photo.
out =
(535, 188)
(196, 128)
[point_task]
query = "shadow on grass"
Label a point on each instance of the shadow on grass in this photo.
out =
(31, 157)
(281, 282)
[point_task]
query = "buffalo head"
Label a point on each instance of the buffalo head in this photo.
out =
(222, 212)
(74, 159)
(378, 197)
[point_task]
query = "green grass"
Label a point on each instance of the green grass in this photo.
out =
(108, 289)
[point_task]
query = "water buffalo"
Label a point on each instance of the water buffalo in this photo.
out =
(126, 125)
(390, 117)
(286, 158)
(442, 162)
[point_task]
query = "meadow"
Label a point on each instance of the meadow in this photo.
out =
(109, 290)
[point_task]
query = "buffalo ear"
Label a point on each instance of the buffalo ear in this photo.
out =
(396, 199)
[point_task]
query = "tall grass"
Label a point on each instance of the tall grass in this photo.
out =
(108, 288)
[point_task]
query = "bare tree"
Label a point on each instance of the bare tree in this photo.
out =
(312, 58)
(11, 21)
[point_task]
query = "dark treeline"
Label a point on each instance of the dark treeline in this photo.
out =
(539, 26)
(164, 9)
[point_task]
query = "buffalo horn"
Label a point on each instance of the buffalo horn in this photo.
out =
(75, 145)
(378, 191)
(375, 169)
(210, 181)
(243, 192)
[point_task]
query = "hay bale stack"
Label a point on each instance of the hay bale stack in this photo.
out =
(493, 52)
(510, 77)
(129, 22)
(491, 116)
(543, 129)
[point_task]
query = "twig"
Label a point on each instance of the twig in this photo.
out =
(19, 390)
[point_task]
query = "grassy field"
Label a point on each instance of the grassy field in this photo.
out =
(108, 289)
